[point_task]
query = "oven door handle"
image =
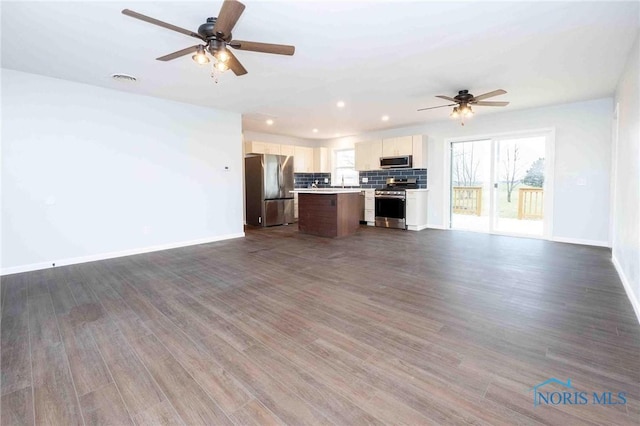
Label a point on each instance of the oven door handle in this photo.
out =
(390, 197)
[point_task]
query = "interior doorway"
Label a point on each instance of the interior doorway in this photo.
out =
(500, 184)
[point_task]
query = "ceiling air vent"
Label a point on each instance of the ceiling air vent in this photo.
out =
(124, 77)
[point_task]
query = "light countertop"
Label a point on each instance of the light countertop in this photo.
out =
(326, 190)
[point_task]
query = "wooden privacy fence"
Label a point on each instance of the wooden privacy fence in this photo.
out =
(530, 203)
(467, 200)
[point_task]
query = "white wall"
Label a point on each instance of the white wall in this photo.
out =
(583, 152)
(626, 208)
(89, 173)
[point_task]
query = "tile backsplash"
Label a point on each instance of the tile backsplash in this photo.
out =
(376, 178)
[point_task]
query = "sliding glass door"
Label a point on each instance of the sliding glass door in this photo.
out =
(498, 185)
(519, 192)
(471, 185)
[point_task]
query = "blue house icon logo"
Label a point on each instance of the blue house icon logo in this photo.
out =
(545, 397)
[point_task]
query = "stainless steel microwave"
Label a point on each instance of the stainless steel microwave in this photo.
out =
(399, 162)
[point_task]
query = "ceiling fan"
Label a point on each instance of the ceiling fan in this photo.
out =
(216, 35)
(463, 101)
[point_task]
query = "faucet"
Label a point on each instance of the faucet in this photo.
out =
(313, 185)
(343, 181)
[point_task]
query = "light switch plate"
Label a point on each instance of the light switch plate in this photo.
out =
(326, 180)
(365, 180)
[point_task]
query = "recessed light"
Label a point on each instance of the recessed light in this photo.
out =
(269, 122)
(340, 104)
(385, 118)
(315, 130)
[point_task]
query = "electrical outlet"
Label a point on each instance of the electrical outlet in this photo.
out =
(326, 180)
(365, 180)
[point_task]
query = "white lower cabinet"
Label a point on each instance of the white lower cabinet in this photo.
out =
(370, 207)
(416, 209)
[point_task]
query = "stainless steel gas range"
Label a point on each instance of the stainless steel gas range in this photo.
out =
(391, 202)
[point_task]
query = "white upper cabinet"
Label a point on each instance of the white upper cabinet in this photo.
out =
(272, 148)
(321, 160)
(368, 155)
(255, 147)
(402, 145)
(415, 145)
(287, 150)
(419, 143)
(303, 159)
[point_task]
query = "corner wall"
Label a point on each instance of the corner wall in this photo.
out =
(626, 180)
(91, 173)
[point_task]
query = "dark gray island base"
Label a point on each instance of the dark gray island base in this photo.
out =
(327, 213)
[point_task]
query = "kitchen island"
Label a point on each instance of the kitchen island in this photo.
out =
(328, 212)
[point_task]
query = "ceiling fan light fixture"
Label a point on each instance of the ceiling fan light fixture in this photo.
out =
(221, 66)
(455, 113)
(222, 55)
(468, 112)
(200, 57)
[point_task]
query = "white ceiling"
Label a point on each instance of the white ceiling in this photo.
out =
(379, 57)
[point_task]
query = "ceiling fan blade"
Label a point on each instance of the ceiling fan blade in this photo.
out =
(179, 53)
(489, 95)
(234, 64)
(254, 46)
(491, 103)
(441, 106)
(447, 98)
(160, 23)
(229, 14)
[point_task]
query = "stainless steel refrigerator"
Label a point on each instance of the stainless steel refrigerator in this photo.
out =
(268, 182)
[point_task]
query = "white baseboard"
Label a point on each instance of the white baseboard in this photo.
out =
(432, 226)
(416, 227)
(627, 287)
(111, 255)
(580, 241)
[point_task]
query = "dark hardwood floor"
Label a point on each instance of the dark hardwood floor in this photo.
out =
(384, 327)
